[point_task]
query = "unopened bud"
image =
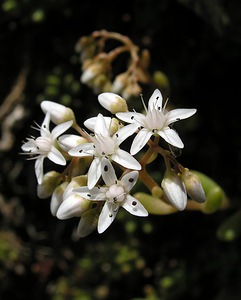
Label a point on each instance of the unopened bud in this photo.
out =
(193, 186)
(120, 82)
(49, 183)
(57, 197)
(69, 141)
(174, 190)
(58, 112)
(154, 205)
(132, 90)
(73, 205)
(113, 102)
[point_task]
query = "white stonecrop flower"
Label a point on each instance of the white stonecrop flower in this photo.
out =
(115, 193)
(103, 146)
(58, 112)
(45, 146)
(174, 190)
(156, 121)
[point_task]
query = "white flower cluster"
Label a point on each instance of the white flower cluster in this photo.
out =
(89, 186)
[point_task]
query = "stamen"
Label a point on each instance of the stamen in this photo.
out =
(143, 103)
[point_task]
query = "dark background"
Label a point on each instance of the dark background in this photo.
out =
(197, 44)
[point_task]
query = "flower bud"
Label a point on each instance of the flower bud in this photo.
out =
(131, 90)
(69, 141)
(91, 72)
(113, 102)
(73, 205)
(174, 190)
(57, 197)
(193, 186)
(154, 205)
(58, 112)
(49, 183)
(120, 82)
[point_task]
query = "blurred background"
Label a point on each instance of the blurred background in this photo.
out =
(197, 45)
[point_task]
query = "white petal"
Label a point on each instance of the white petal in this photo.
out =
(155, 100)
(82, 150)
(44, 131)
(140, 140)
(179, 114)
(87, 223)
(59, 129)
(129, 117)
(90, 123)
(171, 137)
(39, 168)
(126, 160)
(133, 206)
(55, 156)
(69, 141)
(124, 132)
(100, 126)
(73, 206)
(29, 146)
(96, 193)
(129, 180)
(94, 172)
(107, 216)
(108, 172)
(57, 197)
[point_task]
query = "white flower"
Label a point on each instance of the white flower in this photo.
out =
(155, 121)
(105, 146)
(115, 194)
(44, 146)
(174, 190)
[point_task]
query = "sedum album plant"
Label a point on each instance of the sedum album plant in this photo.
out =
(110, 160)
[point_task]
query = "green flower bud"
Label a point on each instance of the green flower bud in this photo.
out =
(230, 229)
(154, 205)
(193, 186)
(50, 181)
(215, 196)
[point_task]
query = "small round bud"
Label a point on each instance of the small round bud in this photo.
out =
(113, 102)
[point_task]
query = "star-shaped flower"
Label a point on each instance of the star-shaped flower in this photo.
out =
(45, 146)
(115, 193)
(104, 145)
(156, 121)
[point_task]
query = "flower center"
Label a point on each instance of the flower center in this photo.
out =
(155, 119)
(115, 193)
(104, 145)
(43, 144)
